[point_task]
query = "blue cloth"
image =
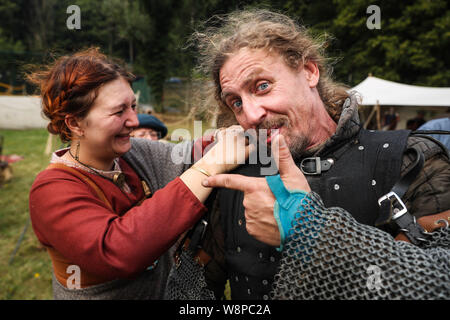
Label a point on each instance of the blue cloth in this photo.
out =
(287, 204)
(149, 121)
(439, 124)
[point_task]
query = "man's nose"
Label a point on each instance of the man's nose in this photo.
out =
(254, 112)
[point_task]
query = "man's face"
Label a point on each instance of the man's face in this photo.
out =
(264, 93)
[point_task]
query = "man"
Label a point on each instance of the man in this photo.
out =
(441, 124)
(149, 127)
(415, 123)
(271, 75)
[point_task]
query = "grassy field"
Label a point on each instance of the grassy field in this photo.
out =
(29, 274)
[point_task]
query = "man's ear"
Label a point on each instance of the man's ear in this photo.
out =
(75, 125)
(312, 73)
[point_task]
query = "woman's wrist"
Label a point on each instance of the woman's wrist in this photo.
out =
(210, 168)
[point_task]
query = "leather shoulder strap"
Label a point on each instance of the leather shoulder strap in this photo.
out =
(98, 191)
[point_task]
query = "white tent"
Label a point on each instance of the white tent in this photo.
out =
(376, 91)
(21, 112)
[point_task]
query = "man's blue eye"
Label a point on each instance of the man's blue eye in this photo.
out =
(237, 104)
(263, 86)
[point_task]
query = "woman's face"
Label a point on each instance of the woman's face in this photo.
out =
(108, 124)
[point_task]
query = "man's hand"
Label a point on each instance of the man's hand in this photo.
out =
(258, 198)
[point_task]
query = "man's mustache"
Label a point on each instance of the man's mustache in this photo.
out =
(274, 122)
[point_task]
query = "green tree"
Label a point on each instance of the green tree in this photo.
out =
(410, 47)
(156, 46)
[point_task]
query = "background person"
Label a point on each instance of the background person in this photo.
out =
(149, 127)
(109, 205)
(390, 119)
(439, 124)
(415, 123)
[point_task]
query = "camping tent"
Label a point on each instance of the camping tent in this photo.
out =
(376, 91)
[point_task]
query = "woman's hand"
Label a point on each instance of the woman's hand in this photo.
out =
(230, 150)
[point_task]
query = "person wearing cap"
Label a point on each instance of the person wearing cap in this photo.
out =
(149, 127)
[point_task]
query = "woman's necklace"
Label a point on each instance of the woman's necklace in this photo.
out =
(118, 178)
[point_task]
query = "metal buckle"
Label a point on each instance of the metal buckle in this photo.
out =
(318, 166)
(398, 212)
(205, 224)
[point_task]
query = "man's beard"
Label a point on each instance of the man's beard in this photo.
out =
(297, 144)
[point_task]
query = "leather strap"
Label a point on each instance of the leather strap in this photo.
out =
(431, 132)
(429, 223)
(192, 241)
(315, 166)
(388, 205)
(403, 184)
(392, 208)
(200, 257)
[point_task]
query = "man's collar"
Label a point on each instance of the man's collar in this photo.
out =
(347, 127)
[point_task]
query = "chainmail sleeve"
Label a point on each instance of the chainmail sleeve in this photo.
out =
(329, 255)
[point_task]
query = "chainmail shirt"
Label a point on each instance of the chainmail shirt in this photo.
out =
(331, 256)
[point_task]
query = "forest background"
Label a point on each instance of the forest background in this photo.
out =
(411, 46)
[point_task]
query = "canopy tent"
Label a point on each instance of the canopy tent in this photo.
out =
(376, 91)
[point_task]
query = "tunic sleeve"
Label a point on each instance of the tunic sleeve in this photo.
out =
(67, 216)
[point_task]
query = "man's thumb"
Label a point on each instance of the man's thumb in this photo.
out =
(282, 156)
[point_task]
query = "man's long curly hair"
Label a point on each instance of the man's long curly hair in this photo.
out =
(224, 35)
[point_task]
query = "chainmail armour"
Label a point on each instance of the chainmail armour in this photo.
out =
(331, 256)
(187, 281)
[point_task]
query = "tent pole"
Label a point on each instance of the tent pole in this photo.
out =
(48, 146)
(369, 117)
(378, 116)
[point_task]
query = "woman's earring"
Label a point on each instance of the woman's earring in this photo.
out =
(77, 151)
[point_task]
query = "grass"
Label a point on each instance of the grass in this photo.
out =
(29, 275)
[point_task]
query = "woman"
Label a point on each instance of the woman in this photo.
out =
(89, 208)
